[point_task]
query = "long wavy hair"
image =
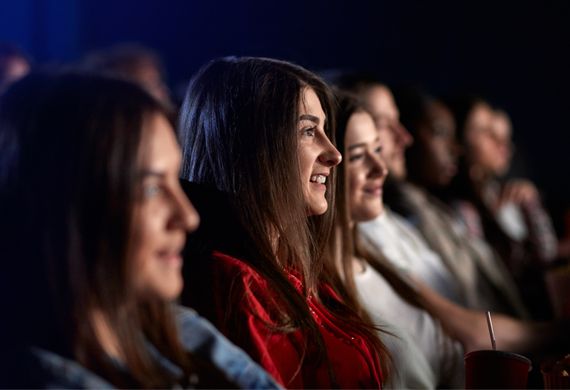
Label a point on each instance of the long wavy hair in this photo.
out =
(70, 149)
(238, 131)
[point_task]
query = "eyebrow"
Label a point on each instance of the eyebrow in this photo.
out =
(362, 144)
(150, 173)
(312, 118)
(356, 146)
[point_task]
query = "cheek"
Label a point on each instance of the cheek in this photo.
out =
(149, 226)
(352, 183)
(478, 149)
(306, 159)
(355, 184)
(441, 154)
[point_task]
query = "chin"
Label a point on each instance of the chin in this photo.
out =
(318, 210)
(170, 291)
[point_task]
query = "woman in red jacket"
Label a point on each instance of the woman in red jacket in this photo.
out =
(258, 164)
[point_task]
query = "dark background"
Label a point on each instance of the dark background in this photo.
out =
(515, 53)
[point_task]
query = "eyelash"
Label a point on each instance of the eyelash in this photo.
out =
(356, 157)
(152, 190)
(309, 132)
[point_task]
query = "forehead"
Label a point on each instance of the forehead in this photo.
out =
(159, 146)
(360, 129)
(438, 112)
(481, 114)
(501, 123)
(310, 103)
(381, 102)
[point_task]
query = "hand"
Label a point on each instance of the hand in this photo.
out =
(520, 192)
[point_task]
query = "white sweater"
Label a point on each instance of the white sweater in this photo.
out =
(424, 357)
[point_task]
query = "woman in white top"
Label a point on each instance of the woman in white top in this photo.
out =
(423, 355)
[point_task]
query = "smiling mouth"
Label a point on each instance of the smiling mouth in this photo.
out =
(320, 179)
(171, 256)
(375, 191)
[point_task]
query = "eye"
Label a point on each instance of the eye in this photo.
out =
(356, 157)
(152, 190)
(378, 150)
(308, 132)
(440, 131)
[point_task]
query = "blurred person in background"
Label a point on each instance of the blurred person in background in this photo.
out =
(507, 213)
(14, 64)
(133, 62)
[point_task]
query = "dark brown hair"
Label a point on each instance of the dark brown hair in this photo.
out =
(69, 182)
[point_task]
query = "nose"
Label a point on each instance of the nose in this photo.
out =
(378, 166)
(330, 156)
(403, 136)
(184, 215)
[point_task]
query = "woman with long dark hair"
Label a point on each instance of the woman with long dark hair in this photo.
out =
(259, 166)
(93, 223)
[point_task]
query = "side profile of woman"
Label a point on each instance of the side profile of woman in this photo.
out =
(424, 356)
(93, 224)
(258, 163)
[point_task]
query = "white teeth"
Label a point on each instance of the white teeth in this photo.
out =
(321, 179)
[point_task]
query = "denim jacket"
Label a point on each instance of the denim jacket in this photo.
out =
(197, 336)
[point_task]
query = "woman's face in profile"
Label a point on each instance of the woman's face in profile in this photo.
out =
(163, 214)
(317, 155)
(481, 146)
(365, 168)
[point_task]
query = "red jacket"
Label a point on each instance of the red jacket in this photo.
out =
(354, 363)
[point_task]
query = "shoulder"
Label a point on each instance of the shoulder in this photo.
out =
(230, 269)
(56, 371)
(200, 337)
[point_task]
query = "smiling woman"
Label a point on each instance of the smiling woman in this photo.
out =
(259, 165)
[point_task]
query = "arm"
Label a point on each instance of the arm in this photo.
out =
(541, 235)
(470, 327)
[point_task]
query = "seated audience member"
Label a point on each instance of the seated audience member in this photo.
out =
(14, 64)
(423, 355)
(506, 213)
(135, 63)
(93, 223)
(258, 163)
(434, 247)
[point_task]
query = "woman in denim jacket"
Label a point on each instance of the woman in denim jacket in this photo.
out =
(93, 222)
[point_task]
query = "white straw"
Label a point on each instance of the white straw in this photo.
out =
(491, 331)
